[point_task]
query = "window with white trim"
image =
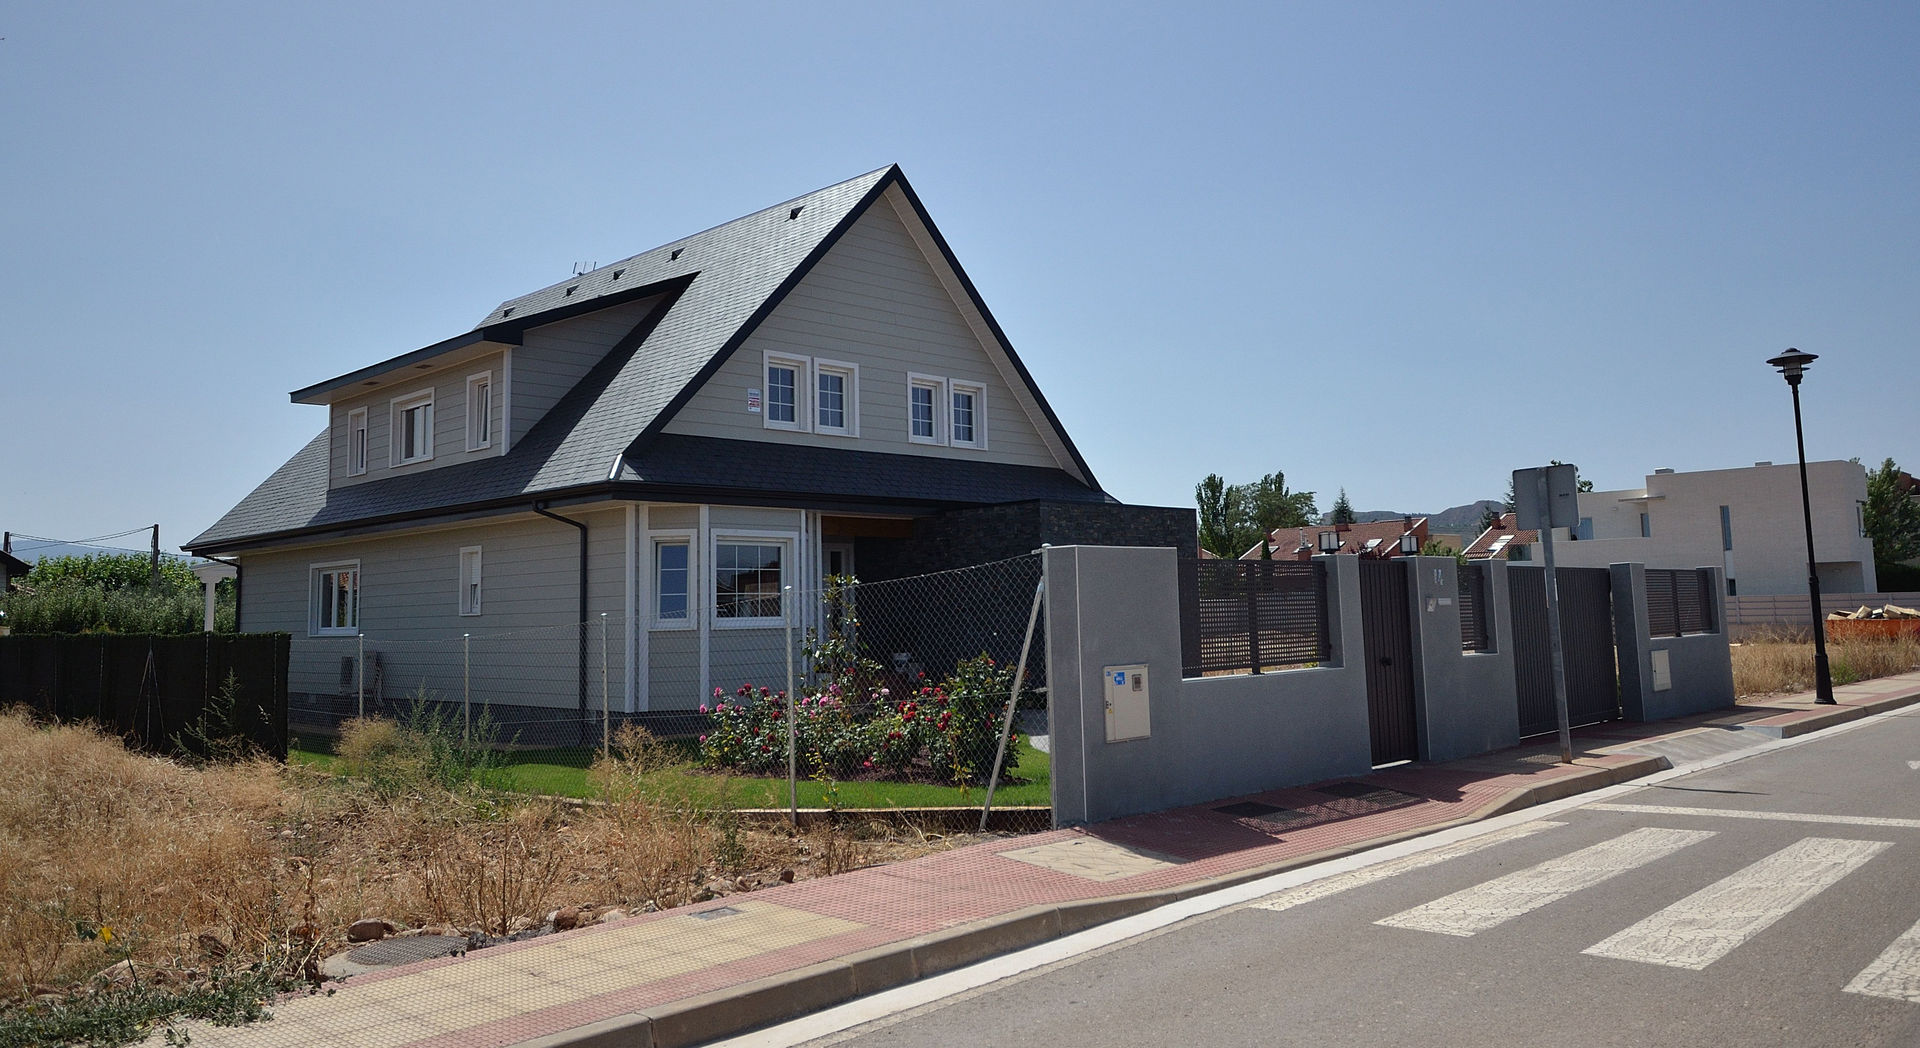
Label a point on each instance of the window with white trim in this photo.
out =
(747, 576)
(836, 398)
(967, 424)
(673, 582)
(926, 397)
(411, 439)
(336, 599)
(469, 580)
(356, 442)
(480, 411)
(786, 400)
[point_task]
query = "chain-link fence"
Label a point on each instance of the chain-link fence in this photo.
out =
(848, 696)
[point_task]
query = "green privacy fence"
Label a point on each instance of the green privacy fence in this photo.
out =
(162, 694)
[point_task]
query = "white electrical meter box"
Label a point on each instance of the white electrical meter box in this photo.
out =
(1662, 670)
(1128, 716)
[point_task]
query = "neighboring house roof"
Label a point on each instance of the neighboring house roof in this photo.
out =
(604, 437)
(1496, 541)
(1380, 538)
(12, 566)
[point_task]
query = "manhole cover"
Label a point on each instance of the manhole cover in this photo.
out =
(390, 952)
(1248, 809)
(715, 914)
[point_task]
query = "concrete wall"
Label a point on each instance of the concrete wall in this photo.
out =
(1700, 665)
(1466, 702)
(1210, 737)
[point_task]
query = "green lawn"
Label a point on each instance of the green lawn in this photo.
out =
(563, 773)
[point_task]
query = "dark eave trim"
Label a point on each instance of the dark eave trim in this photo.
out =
(766, 308)
(993, 325)
(501, 333)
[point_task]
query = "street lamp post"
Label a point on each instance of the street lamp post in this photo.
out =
(1792, 365)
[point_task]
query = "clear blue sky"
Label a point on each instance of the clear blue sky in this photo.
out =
(1400, 248)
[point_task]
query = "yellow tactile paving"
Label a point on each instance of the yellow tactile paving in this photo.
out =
(1089, 858)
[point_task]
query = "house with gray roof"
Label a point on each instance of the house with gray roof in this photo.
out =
(674, 444)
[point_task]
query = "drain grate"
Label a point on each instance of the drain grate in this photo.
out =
(389, 952)
(1248, 810)
(716, 913)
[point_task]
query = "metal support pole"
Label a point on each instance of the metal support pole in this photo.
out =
(466, 687)
(793, 758)
(360, 661)
(1553, 624)
(1822, 674)
(1013, 701)
(606, 714)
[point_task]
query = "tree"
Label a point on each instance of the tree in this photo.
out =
(1235, 516)
(1270, 506)
(112, 593)
(1219, 506)
(1436, 548)
(1579, 483)
(1342, 509)
(1892, 516)
(1491, 515)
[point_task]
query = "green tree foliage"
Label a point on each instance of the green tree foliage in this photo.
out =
(1342, 509)
(112, 593)
(1436, 548)
(1892, 518)
(1235, 516)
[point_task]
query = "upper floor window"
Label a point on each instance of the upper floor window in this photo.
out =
(924, 396)
(969, 415)
(356, 442)
(786, 382)
(480, 411)
(836, 399)
(1726, 527)
(336, 599)
(412, 434)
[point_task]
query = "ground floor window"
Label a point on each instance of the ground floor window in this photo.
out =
(747, 580)
(336, 593)
(672, 581)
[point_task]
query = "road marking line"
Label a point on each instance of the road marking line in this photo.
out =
(1765, 816)
(1895, 973)
(1502, 899)
(1321, 889)
(1707, 925)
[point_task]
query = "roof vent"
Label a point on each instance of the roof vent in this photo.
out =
(571, 288)
(795, 213)
(1763, 463)
(1663, 471)
(617, 272)
(675, 257)
(507, 312)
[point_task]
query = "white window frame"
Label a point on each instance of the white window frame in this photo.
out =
(397, 433)
(472, 580)
(849, 375)
(937, 386)
(802, 368)
(787, 540)
(480, 423)
(316, 609)
(690, 538)
(978, 390)
(357, 450)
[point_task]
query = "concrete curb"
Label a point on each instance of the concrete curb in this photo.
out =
(776, 998)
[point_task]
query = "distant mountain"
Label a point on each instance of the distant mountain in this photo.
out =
(1459, 519)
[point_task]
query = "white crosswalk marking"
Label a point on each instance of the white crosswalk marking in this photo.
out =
(1316, 890)
(1764, 816)
(1895, 973)
(1707, 925)
(1500, 900)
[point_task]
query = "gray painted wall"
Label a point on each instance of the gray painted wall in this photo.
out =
(1701, 664)
(1211, 737)
(449, 385)
(553, 358)
(1466, 702)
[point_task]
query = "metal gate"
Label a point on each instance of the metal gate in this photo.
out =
(1388, 628)
(1586, 639)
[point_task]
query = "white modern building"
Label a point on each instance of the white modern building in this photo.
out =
(1746, 520)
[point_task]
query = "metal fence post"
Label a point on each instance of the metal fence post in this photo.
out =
(466, 687)
(1013, 697)
(793, 760)
(360, 660)
(606, 715)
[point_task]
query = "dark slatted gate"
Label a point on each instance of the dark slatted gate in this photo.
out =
(1586, 638)
(1388, 628)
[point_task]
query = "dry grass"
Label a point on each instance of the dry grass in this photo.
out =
(1772, 664)
(182, 865)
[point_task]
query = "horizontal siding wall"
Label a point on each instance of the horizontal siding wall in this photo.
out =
(449, 385)
(872, 301)
(553, 358)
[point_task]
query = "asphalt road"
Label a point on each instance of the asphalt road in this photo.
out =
(1772, 901)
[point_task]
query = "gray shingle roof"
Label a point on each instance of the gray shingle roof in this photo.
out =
(726, 279)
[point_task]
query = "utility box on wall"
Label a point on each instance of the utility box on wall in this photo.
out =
(1128, 713)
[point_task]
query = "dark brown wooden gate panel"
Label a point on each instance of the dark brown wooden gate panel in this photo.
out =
(1388, 629)
(1586, 638)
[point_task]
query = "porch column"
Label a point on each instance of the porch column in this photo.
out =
(210, 573)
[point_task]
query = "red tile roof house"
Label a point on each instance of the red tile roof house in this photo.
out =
(1502, 541)
(672, 441)
(1379, 539)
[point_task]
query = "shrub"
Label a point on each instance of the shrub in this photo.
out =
(427, 749)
